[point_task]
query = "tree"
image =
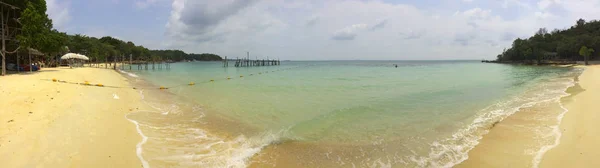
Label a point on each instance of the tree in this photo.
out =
(36, 30)
(528, 53)
(561, 44)
(542, 32)
(580, 23)
(35, 26)
(55, 42)
(586, 52)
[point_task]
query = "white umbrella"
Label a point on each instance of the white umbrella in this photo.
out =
(74, 56)
(69, 56)
(83, 57)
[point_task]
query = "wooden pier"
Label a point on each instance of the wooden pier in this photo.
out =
(247, 62)
(149, 65)
(122, 63)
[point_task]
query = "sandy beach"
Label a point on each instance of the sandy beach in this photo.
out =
(513, 143)
(52, 124)
(579, 145)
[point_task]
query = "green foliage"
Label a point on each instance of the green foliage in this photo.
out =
(37, 32)
(55, 42)
(583, 51)
(557, 44)
(107, 48)
(36, 27)
(586, 52)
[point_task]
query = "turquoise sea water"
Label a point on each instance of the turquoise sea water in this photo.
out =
(332, 113)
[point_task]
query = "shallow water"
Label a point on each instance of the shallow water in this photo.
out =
(333, 113)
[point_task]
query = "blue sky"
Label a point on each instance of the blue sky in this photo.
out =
(322, 29)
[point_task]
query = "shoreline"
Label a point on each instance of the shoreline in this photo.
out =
(523, 138)
(171, 119)
(270, 148)
(579, 147)
(52, 124)
(73, 124)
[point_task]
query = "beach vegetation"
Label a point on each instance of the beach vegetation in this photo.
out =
(107, 48)
(556, 45)
(28, 26)
(586, 52)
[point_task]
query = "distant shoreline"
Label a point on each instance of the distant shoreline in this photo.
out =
(534, 62)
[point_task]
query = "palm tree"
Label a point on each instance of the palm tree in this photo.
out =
(586, 52)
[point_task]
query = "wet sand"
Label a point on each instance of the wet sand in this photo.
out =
(579, 145)
(516, 141)
(52, 124)
(532, 138)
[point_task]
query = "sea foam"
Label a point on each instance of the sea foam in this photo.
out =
(555, 131)
(129, 73)
(187, 146)
(454, 150)
(138, 147)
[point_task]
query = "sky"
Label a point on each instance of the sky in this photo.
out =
(322, 29)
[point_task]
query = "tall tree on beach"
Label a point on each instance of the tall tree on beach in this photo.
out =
(586, 52)
(36, 30)
(9, 24)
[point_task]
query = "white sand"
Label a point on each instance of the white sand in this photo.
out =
(580, 142)
(51, 124)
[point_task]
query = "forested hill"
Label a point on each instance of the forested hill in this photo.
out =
(106, 47)
(28, 26)
(180, 55)
(569, 44)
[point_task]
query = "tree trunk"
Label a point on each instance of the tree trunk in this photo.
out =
(30, 66)
(586, 60)
(115, 63)
(18, 69)
(3, 52)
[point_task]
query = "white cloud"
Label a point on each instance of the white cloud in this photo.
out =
(312, 21)
(580, 8)
(543, 15)
(518, 3)
(59, 13)
(201, 20)
(543, 4)
(477, 13)
(412, 34)
(380, 25)
(304, 29)
(348, 33)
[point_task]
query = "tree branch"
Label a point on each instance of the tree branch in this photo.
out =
(13, 51)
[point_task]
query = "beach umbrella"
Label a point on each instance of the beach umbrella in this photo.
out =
(69, 56)
(74, 56)
(82, 57)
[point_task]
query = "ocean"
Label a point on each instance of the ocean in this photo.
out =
(336, 113)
